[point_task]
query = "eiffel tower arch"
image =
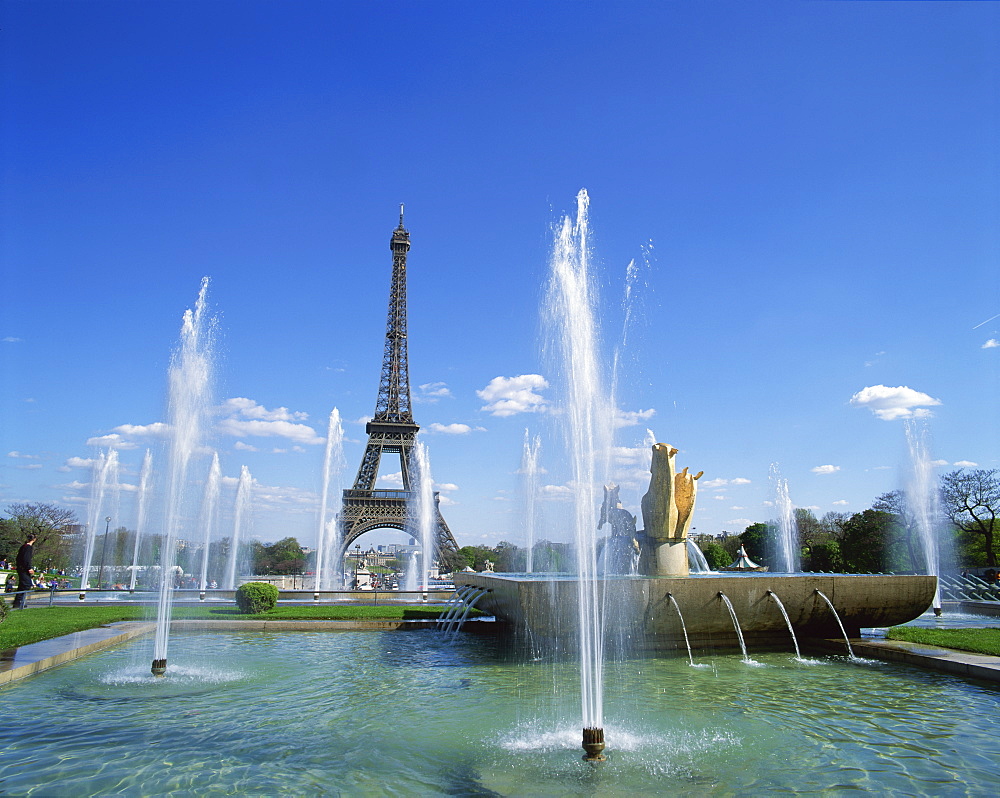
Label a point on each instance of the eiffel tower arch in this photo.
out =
(392, 431)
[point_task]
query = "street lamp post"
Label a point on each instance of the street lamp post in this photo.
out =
(104, 549)
(357, 561)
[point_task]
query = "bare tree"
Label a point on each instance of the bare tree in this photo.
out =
(971, 501)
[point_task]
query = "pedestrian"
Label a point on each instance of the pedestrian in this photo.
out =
(24, 571)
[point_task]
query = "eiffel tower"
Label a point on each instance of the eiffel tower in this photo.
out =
(391, 431)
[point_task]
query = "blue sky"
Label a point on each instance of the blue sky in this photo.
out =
(810, 191)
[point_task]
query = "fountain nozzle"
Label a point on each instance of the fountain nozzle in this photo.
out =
(159, 667)
(593, 744)
(937, 612)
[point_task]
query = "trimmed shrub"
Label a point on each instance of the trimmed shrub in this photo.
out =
(4, 609)
(255, 597)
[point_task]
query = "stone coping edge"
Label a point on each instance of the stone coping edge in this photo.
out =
(34, 658)
(921, 655)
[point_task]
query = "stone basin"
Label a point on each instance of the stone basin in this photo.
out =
(639, 608)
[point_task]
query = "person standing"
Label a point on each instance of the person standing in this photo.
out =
(24, 571)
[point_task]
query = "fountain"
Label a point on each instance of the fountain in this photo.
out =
(241, 518)
(921, 499)
(105, 483)
(208, 517)
(189, 398)
(142, 514)
(588, 416)
(529, 478)
(333, 464)
(423, 509)
(787, 559)
(556, 609)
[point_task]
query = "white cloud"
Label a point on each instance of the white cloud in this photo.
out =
(450, 429)
(825, 469)
(10, 339)
(738, 522)
(80, 462)
(430, 392)
(841, 503)
(737, 508)
(992, 343)
(248, 408)
(631, 418)
(445, 486)
(112, 440)
(24, 456)
(244, 447)
(721, 498)
(157, 429)
(939, 462)
(29, 466)
(965, 464)
(299, 433)
(391, 480)
(889, 403)
(718, 483)
(507, 396)
(556, 492)
(446, 501)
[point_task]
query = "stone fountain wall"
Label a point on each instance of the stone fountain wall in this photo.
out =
(642, 613)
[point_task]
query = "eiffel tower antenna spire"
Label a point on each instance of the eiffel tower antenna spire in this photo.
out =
(392, 430)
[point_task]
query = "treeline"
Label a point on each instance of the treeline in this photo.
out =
(885, 538)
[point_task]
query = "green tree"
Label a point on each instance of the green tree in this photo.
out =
(758, 540)
(866, 545)
(971, 501)
(54, 526)
(284, 557)
(824, 557)
(716, 556)
(895, 502)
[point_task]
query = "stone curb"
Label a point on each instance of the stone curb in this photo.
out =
(28, 660)
(946, 660)
(19, 663)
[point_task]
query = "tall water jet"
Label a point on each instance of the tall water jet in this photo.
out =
(241, 519)
(421, 509)
(529, 481)
(142, 513)
(333, 464)
(587, 418)
(104, 488)
(189, 399)
(922, 500)
(787, 548)
(209, 516)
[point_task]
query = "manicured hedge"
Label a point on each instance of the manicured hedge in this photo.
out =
(254, 597)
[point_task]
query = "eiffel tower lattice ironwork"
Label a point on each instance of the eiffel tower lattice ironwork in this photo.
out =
(391, 431)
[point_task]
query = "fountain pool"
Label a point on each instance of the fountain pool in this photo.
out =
(373, 713)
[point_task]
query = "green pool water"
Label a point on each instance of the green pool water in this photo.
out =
(394, 713)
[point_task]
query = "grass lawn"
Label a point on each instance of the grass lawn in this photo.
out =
(42, 623)
(978, 641)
